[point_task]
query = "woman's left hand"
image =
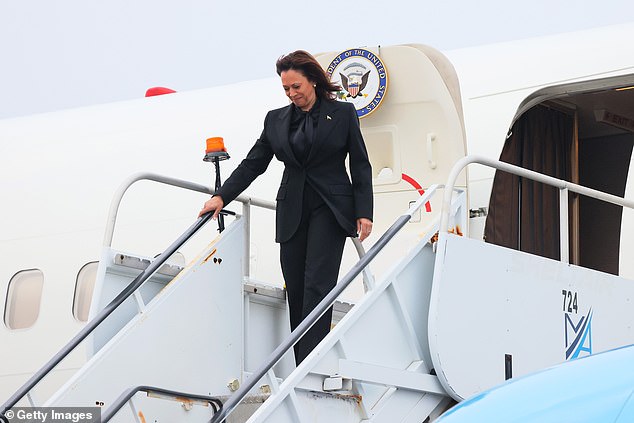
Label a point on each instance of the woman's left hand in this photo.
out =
(364, 228)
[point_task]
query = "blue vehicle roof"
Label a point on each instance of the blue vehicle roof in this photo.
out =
(596, 388)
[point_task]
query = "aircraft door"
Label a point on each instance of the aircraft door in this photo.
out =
(413, 129)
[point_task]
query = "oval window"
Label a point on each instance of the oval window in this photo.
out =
(84, 288)
(23, 299)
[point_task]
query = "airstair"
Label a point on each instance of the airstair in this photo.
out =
(209, 343)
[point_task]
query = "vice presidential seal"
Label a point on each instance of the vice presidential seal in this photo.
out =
(363, 78)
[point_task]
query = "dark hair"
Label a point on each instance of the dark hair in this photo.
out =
(308, 66)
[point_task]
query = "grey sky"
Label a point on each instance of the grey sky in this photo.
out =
(71, 53)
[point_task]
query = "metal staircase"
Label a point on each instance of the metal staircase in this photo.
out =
(191, 333)
(397, 355)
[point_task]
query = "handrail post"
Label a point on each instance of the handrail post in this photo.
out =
(135, 412)
(246, 215)
(563, 226)
(31, 399)
(368, 278)
(449, 191)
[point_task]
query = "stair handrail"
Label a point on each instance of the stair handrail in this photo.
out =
(563, 186)
(103, 314)
(215, 403)
(237, 397)
(168, 180)
(247, 202)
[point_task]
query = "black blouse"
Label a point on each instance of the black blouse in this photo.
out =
(303, 129)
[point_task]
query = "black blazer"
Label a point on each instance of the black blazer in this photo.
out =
(338, 135)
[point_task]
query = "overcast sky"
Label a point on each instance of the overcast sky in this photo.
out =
(71, 53)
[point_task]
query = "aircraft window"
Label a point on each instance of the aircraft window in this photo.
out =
(84, 288)
(23, 299)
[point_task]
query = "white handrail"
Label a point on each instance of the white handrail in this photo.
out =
(562, 185)
(116, 200)
(247, 202)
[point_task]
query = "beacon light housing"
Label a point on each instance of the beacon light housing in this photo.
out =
(216, 150)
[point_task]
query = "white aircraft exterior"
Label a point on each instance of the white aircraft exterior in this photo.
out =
(61, 170)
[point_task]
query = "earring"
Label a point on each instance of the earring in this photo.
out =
(314, 85)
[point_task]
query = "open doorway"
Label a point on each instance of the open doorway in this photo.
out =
(583, 133)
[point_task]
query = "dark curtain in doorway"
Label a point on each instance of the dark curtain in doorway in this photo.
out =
(524, 215)
(604, 163)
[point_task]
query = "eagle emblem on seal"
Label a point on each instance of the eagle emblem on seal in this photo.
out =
(355, 80)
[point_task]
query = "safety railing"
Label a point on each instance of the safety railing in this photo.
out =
(247, 202)
(215, 403)
(320, 309)
(563, 186)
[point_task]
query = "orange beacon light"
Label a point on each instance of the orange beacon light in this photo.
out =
(215, 153)
(215, 147)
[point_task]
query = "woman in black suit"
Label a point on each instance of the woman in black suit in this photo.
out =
(318, 204)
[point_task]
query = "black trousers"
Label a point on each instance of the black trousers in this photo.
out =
(310, 265)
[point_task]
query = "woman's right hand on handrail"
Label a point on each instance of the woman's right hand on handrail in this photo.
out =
(214, 204)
